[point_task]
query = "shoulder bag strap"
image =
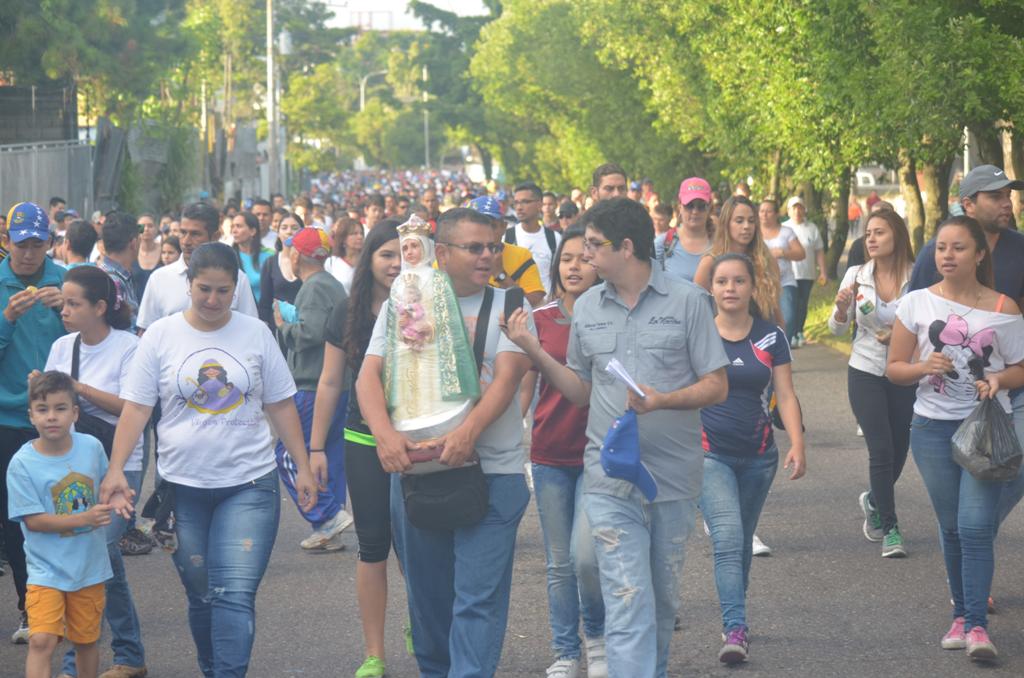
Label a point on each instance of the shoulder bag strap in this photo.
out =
(483, 319)
(75, 351)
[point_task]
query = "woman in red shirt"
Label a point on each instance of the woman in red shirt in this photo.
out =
(556, 453)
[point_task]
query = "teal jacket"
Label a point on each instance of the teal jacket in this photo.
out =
(24, 344)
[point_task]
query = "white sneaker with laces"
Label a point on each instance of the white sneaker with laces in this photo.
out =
(759, 547)
(20, 636)
(597, 662)
(564, 668)
(333, 527)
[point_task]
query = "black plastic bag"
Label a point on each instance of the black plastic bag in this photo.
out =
(986, 444)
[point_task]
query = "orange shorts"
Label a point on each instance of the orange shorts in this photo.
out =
(79, 612)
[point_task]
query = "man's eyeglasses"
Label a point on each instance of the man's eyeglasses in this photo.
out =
(696, 206)
(477, 248)
(594, 245)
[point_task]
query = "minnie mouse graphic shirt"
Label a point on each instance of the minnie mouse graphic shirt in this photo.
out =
(978, 342)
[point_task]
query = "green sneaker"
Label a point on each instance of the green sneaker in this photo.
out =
(872, 520)
(892, 544)
(409, 650)
(373, 667)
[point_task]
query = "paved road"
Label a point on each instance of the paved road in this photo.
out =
(824, 604)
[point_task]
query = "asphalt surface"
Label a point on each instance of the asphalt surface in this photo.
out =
(823, 604)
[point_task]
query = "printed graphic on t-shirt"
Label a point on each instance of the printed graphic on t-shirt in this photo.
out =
(73, 494)
(212, 381)
(969, 353)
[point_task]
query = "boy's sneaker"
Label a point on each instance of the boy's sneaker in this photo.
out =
(978, 644)
(124, 671)
(892, 545)
(373, 667)
(564, 668)
(135, 543)
(955, 638)
(167, 540)
(333, 527)
(735, 648)
(872, 520)
(597, 661)
(20, 636)
(759, 548)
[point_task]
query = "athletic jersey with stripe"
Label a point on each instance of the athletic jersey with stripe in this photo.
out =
(742, 425)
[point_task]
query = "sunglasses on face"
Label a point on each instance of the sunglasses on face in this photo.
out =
(696, 206)
(477, 248)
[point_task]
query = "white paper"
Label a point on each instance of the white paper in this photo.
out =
(616, 369)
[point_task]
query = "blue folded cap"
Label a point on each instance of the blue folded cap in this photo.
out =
(487, 205)
(620, 455)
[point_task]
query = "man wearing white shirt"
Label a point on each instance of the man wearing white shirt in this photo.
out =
(807, 269)
(529, 233)
(167, 290)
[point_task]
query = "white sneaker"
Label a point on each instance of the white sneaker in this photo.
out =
(20, 636)
(760, 548)
(332, 528)
(597, 663)
(564, 668)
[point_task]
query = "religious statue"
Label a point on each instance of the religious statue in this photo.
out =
(430, 373)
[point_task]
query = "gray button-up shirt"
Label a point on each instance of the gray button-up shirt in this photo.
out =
(668, 341)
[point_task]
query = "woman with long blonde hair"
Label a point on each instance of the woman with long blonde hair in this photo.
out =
(740, 233)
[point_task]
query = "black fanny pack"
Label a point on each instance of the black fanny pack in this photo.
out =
(458, 497)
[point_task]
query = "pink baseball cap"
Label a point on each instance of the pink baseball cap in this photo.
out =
(692, 189)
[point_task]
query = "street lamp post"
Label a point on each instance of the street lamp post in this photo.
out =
(362, 88)
(272, 182)
(426, 122)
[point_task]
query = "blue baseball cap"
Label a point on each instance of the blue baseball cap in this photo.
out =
(620, 455)
(27, 220)
(486, 205)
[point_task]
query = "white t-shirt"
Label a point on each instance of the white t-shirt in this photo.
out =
(211, 387)
(167, 293)
(538, 245)
(809, 236)
(782, 240)
(341, 271)
(965, 335)
(500, 446)
(104, 367)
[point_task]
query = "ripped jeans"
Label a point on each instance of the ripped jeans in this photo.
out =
(225, 536)
(640, 551)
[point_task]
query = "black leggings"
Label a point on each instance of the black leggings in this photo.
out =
(11, 440)
(883, 411)
(369, 491)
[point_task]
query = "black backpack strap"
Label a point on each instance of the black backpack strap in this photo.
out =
(483, 319)
(510, 235)
(75, 351)
(550, 235)
(523, 268)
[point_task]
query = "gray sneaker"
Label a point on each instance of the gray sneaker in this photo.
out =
(323, 539)
(872, 520)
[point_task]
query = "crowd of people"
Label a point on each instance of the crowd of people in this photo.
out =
(624, 360)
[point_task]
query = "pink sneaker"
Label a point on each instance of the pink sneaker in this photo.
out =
(955, 638)
(978, 644)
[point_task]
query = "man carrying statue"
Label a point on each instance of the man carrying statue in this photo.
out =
(452, 439)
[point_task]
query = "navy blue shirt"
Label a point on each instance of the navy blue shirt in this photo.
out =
(1007, 262)
(742, 425)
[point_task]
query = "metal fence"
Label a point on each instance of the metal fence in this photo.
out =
(40, 171)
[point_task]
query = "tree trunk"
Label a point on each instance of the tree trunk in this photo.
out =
(815, 213)
(935, 177)
(775, 177)
(1013, 163)
(842, 222)
(487, 160)
(911, 193)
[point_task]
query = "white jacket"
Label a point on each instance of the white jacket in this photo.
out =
(873, 315)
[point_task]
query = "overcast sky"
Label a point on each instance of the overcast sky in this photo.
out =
(391, 14)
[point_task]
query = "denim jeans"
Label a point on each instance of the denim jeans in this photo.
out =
(225, 536)
(126, 641)
(787, 302)
(458, 582)
(1014, 489)
(573, 579)
(966, 509)
(733, 493)
(640, 551)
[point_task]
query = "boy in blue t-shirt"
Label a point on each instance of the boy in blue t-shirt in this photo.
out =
(53, 490)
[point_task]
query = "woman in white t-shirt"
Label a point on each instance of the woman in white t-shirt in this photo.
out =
(348, 245)
(96, 317)
(959, 341)
(218, 376)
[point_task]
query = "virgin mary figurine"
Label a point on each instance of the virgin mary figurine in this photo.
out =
(430, 373)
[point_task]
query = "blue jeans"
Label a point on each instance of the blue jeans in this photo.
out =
(573, 578)
(640, 551)
(225, 536)
(966, 509)
(787, 301)
(331, 499)
(126, 641)
(458, 582)
(1014, 490)
(733, 493)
